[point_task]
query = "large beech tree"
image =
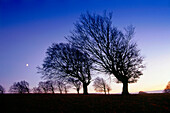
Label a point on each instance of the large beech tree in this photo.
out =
(64, 61)
(112, 50)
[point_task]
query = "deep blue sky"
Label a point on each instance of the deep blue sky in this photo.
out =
(28, 27)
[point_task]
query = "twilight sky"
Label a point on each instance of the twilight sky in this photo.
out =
(29, 27)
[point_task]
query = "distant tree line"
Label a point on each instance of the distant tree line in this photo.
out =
(99, 85)
(49, 86)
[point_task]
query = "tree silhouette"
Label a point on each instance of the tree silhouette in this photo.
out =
(43, 87)
(112, 50)
(108, 89)
(100, 85)
(37, 90)
(46, 86)
(2, 90)
(20, 87)
(64, 61)
(50, 85)
(76, 83)
(167, 89)
(60, 86)
(66, 87)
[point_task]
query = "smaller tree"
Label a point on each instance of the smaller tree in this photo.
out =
(50, 85)
(65, 61)
(62, 86)
(167, 89)
(20, 87)
(108, 88)
(47, 86)
(66, 87)
(100, 85)
(2, 90)
(36, 90)
(42, 86)
(76, 83)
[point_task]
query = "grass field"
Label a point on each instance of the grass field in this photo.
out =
(71, 103)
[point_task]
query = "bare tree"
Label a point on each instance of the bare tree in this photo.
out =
(2, 90)
(47, 86)
(112, 50)
(108, 88)
(76, 83)
(42, 86)
(66, 87)
(64, 61)
(60, 86)
(50, 85)
(167, 89)
(20, 87)
(36, 90)
(100, 85)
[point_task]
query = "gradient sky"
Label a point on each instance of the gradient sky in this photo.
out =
(29, 27)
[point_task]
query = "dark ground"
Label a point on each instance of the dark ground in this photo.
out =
(71, 103)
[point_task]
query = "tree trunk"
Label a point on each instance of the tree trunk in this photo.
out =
(77, 90)
(60, 91)
(85, 92)
(125, 88)
(104, 90)
(108, 91)
(65, 90)
(28, 91)
(45, 91)
(52, 88)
